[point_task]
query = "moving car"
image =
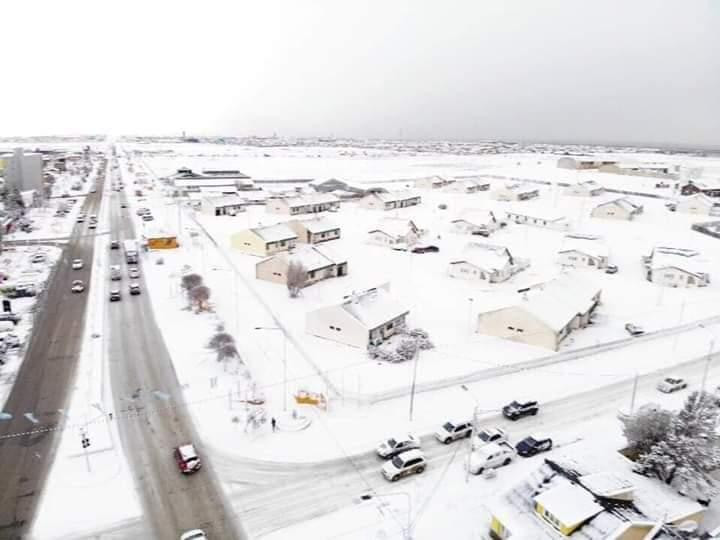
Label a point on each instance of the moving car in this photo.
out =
(530, 446)
(134, 289)
(611, 269)
(115, 274)
(77, 264)
(634, 330)
(491, 456)
(516, 410)
(452, 431)
(671, 384)
(77, 286)
(195, 534)
(187, 459)
(489, 435)
(80, 219)
(38, 258)
(395, 445)
(123, 205)
(133, 272)
(114, 244)
(115, 295)
(141, 211)
(403, 464)
(148, 217)
(92, 225)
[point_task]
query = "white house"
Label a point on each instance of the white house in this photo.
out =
(467, 185)
(486, 262)
(394, 232)
(515, 192)
(481, 222)
(224, 205)
(390, 200)
(264, 241)
(538, 217)
(361, 319)
(584, 188)
(583, 162)
(545, 315)
(698, 204)
(320, 262)
(315, 230)
(432, 182)
(676, 267)
(622, 208)
(303, 204)
(583, 251)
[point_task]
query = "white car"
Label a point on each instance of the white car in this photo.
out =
(491, 456)
(395, 445)
(487, 436)
(38, 258)
(452, 431)
(133, 273)
(77, 264)
(195, 534)
(671, 384)
(403, 464)
(77, 286)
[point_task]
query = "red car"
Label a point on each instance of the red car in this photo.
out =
(187, 459)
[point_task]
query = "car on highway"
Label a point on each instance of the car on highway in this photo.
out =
(133, 272)
(142, 211)
(634, 329)
(187, 459)
(77, 286)
(115, 295)
(532, 445)
(611, 269)
(115, 274)
(516, 409)
(134, 289)
(195, 534)
(123, 205)
(38, 258)
(77, 264)
(672, 384)
(92, 225)
(115, 244)
(491, 456)
(80, 219)
(394, 445)
(452, 431)
(148, 217)
(403, 464)
(489, 435)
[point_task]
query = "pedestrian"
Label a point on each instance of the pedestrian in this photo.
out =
(273, 423)
(110, 416)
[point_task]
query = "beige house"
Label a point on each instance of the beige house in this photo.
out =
(583, 162)
(585, 188)
(394, 232)
(390, 200)
(538, 217)
(319, 262)
(303, 204)
(648, 169)
(467, 185)
(583, 251)
(432, 182)
(486, 262)
(698, 204)
(515, 192)
(622, 208)
(361, 319)
(480, 222)
(314, 231)
(264, 241)
(676, 267)
(224, 205)
(544, 316)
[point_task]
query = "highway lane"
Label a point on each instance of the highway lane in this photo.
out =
(43, 383)
(143, 378)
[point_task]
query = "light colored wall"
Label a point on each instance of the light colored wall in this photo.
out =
(277, 206)
(611, 211)
(371, 202)
(578, 259)
(693, 207)
(351, 332)
(379, 238)
(248, 242)
(465, 270)
(534, 331)
(674, 277)
(275, 270)
(282, 245)
(318, 238)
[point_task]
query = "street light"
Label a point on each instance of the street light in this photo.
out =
(407, 530)
(284, 360)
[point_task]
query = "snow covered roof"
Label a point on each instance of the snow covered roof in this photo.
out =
(274, 233)
(485, 256)
(204, 182)
(569, 503)
(224, 200)
(699, 197)
(624, 203)
(687, 260)
(312, 257)
(390, 196)
(311, 198)
(536, 212)
(584, 244)
(374, 308)
(606, 484)
(318, 225)
(476, 216)
(519, 187)
(394, 226)
(435, 179)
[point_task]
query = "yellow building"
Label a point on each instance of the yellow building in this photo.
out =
(162, 242)
(264, 241)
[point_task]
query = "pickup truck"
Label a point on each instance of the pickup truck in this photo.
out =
(491, 456)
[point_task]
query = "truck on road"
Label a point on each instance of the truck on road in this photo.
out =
(131, 251)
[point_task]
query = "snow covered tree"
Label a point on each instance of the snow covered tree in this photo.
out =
(190, 281)
(297, 277)
(219, 340)
(647, 427)
(199, 296)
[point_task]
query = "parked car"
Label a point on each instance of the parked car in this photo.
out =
(403, 464)
(123, 205)
(134, 289)
(491, 456)
(80, 219)
(77, 286)
(141, 211)
(489, 435)
(611, 269)
(671, 384)
(195, 534)
(77, 264)
(634, 330)
(38, 258)
(114, 244)
(148, 217)
(425, 249)
(92, 225)
(517, 410)
(115, 295)
(395, 445)
(187, 459)
(530, 446)
(452, 431)
(133, 272)
(115, 274)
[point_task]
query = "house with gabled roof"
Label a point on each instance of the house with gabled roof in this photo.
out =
(584, 188)
(394, 232)
(545, 315)
(311, 203)
(223, 205)
(583, 251)
(537, 216)
(361, 319)
(390, 200)
(476, 221)
(264, 241)
(676, 267)
(432, 182)
(467, 185)
(698, 204)
(621, 208)
(320, 262)
(315, 230)
(707, 186)
(515, 191)
(486, 262)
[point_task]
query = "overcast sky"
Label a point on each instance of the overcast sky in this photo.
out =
(556, 70)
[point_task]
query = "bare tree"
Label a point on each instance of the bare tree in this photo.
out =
(190, 281)
(297, 278)
(199, 295)
(220, 339)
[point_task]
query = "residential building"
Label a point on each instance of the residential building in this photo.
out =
(593, 497)
(342, 190)
(320, 262)
(475, 221)
(432, 182)
(390, 200)
(698, 204)
(709, 187)
(315, 230)
(467, 185)
(361, 319)
(394, 232)
(230, 181)
(490, 263)
(23, 171)
(584, 188)
(224, 205)
(584, 162)
(583, 251)
(646, 169)
(543, 316)
(303, 204)
(515, 192)
(622, 208)
(264, 241)
(676, 267)
(538, 217)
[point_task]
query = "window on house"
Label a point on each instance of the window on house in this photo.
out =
(311, 274)
(389, 326)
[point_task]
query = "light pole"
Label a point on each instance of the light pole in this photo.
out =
(709, 357)
(284, 360)
(407, 530)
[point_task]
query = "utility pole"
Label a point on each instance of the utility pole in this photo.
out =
(634, 393)
(707, 365)
(412, 387)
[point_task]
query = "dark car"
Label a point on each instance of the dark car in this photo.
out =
(517, 410)
(530, 446)
(481, 233)
(425, 249)
(611, 269)
(115, 244)
(12, 317)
